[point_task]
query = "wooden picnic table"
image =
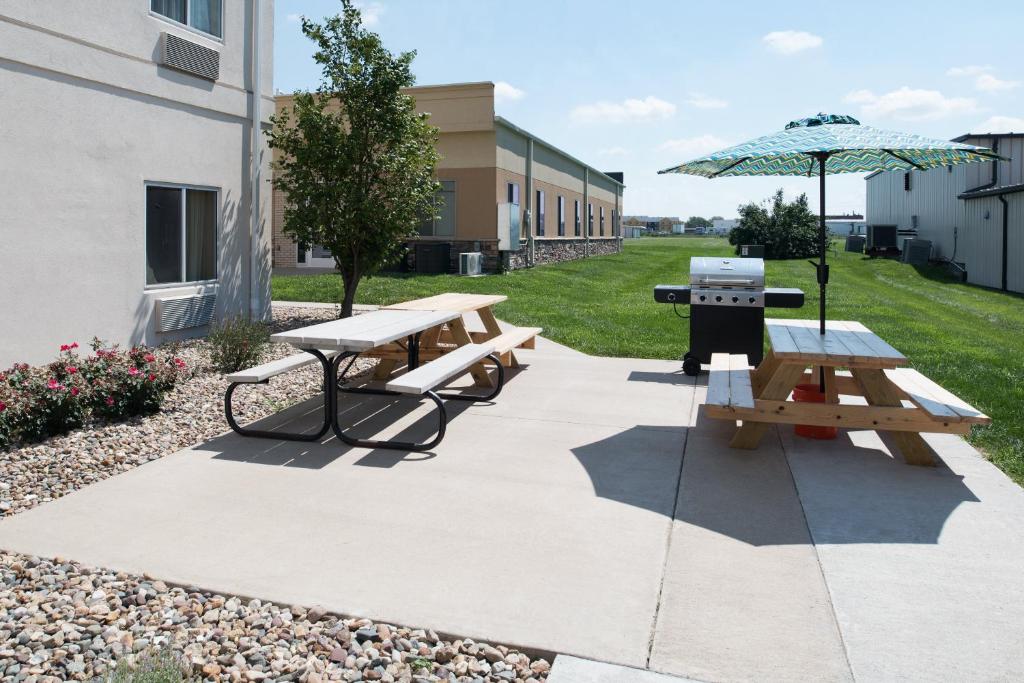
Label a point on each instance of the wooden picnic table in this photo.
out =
(900, 401)
(453, 333)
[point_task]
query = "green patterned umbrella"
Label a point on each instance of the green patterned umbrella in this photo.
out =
(831, 143)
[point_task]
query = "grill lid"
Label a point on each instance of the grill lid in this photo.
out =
(726, 272)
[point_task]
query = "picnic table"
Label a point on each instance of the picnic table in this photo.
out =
(900, 400)
(454, 333)
(332, 343)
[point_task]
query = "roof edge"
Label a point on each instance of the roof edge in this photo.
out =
(513, 127)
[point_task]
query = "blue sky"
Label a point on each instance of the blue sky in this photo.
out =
(644, 85)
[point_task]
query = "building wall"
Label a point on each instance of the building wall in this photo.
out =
(967, 231)
(94, 119)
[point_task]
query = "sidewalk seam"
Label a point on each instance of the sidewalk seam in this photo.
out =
(817, 557)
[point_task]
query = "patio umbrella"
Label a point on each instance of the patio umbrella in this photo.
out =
(831, 143)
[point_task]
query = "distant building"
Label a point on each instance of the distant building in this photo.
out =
(723, 226)
(505, 192)
(678, 228)
(972, 213)
(846, 226)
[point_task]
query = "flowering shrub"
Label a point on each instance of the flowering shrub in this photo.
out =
(37, 402)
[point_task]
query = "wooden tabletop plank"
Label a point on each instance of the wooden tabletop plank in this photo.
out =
(365, 331)
(844, 342)
(339, 327)
(450, 301)
(881, 348)
(780, 338)
(418, 321)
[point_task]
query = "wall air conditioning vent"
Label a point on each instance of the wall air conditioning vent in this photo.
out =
(471, 263)
(192, 58)
(183, 312)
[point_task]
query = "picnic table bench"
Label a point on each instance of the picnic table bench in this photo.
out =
(332, 343)
(900, 400)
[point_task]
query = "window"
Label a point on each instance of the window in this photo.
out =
(561, 216)
(576, 218)
(590, 220)
(513, 193)
(906, 181)
(202, 15)
(181, 234)
(540, 213)
(444, 224)
(602, 221)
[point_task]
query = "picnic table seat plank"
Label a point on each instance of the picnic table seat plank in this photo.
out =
(729, 383)
(261, 373)
(934, 399)
(436, 372)
(517, 337)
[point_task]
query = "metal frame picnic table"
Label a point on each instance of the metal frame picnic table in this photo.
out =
(796, 346)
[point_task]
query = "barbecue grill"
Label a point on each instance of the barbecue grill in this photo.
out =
(727, 298)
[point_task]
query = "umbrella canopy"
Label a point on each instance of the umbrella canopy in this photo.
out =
(831, 143)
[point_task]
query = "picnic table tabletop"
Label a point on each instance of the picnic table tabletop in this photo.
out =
(366, 331)
(449, 301)
(845, 343)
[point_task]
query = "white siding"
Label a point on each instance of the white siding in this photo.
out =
(977, 222)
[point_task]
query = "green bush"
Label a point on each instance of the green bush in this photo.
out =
(153, 666)
(237, 343)
(786, 229)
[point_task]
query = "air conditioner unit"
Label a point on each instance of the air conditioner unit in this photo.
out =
(917, 252)
(855, 243)
(192, 58)
(183, 312)
(882, 236)
(471, 263)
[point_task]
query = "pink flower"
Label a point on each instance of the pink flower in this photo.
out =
(180, 363)
(74, 345)
(65, 347)
(52, 384)
(133, 371)
(149, 358)
(71, 369)
(151, 377)
(74, 391)
(110, 401)
(3, 406)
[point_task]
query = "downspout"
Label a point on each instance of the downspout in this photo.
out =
(255, 171)
(1006, 235)
(586, 212)
(530, 246)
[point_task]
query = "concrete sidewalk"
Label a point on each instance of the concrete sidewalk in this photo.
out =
(590, 511)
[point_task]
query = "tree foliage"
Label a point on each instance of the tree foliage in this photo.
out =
(786, 229)
(697, 222)
(356, 163)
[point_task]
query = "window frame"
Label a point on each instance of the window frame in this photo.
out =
(183, 187)
(541, 214)
(577, 228)
(561, 215)
(590, 219)
(455, 215)
(601, 210)
(186, 26)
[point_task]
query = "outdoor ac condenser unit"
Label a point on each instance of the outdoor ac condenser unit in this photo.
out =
(882, 236)
(471, 263)
(917, 252)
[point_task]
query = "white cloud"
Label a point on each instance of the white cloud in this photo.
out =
(613, 152)
(702, 101)
(983, 78)
(630, 110)
(371, 12)
(506, 92)
(791, 42)
(1000, 124)
(973, 70)
(294, 18)
(908, 104)
(693, 147)
(988, 83)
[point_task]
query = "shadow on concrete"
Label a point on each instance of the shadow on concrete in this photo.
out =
(638, 466)
(679, 377)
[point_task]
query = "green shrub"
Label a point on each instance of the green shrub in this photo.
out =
(160, 665)
(786, 229)
(237, 343)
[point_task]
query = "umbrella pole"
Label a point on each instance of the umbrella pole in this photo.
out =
(823, 249)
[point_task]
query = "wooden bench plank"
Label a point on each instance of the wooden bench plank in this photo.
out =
(883, 418)
(718, 381)
(436, 372)
(933, 398)
(265, 371)
(514, 338)
(741, 395)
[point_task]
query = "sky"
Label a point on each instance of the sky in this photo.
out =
(641, 86)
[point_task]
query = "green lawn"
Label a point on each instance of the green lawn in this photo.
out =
(969, 339)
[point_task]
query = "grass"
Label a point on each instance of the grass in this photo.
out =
(966, 338)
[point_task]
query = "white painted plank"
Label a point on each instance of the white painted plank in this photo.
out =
(438, 371)
(333, 330)
(418, 321)
(718, 380)
(276, 367)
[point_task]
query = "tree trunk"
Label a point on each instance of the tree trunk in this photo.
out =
(349, 282)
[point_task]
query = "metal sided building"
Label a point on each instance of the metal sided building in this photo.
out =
(507, 194)
(972, 213)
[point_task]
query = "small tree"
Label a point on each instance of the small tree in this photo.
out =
(697, 222)
(357, 162)
(786, 229)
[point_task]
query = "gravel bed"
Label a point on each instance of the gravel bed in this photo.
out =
(60, 620)
(193, 412)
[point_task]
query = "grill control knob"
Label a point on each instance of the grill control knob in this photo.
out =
(752, 299)
(718, 299)
(703, 298)
(735, 299)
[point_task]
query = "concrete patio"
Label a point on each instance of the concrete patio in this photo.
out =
(591, 511)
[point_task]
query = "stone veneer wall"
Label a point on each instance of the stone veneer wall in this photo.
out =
(572, 248)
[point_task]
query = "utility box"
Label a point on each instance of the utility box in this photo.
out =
(752, 251)
(433, 258)
(471, 263)
(509, 226)
(855, 243)
(917, 252)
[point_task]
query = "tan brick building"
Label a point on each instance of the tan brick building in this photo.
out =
(495, 178)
